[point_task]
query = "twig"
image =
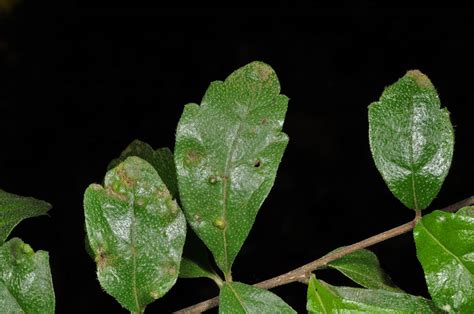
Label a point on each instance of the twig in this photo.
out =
(303, 272)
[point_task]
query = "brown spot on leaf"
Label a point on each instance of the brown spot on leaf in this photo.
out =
(257, 163)
(172, 270)
(124, 177)
(115, 194)
(192, 157)
(421, 79)
(263, 71)
(101, 259)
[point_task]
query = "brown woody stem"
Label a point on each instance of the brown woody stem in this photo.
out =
(302, 273)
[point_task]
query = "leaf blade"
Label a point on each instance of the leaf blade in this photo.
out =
(445, 248)
(226, 171)
(161, 159)
(363, 267)
(14, 208)
(325, 298)
(236, 297)
(25, 279)
(137, 233)
(411, 140)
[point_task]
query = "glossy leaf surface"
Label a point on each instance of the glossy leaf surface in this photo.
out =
(137, 233)
(14, 208)
(227, 153)
(161, 159)
(363, 267)
(236, 298)
(445, 249)
(411, 140)
(25, 279)
(324, 298)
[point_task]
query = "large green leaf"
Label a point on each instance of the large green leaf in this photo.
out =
(137, 233)
(445, 249)
(25, 279)
(161, 159)
(14, 208)
(363, 267)
(324, 298)
(411, 139)
(227, 153)
(236, 298)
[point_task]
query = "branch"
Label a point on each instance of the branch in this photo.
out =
(302, 273)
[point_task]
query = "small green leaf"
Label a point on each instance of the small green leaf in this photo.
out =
(411, 140)
(25, 279)
(227, 153)
(445, 249)
(324, 298)
(161, 159)
(14, 208)
(363, 267)
(236, 298)
(195, 262)
(137, 233)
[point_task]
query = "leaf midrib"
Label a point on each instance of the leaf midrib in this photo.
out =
(237, 297)
(134, 256)
(320, 301)
(443, 247)
(368, 278)
(413, 185)
(225, 186)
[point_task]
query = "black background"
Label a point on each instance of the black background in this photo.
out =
(79, 84)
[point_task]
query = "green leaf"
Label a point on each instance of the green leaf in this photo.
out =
(445, 249)
(411, 140)
(236, 297)
(14, 208)
(137, 233)
(195, 262)
(363, 267)
(227, 153)
(25, 279)
(321, 298)
(161, 159)
(324, 298)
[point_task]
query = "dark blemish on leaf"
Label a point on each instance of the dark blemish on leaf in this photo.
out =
(257, 163)
(219, 223)
(264, 121)
(212, 179)
(192, 157)
(101, 259)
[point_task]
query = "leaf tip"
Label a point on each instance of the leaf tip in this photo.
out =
(420, 79)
